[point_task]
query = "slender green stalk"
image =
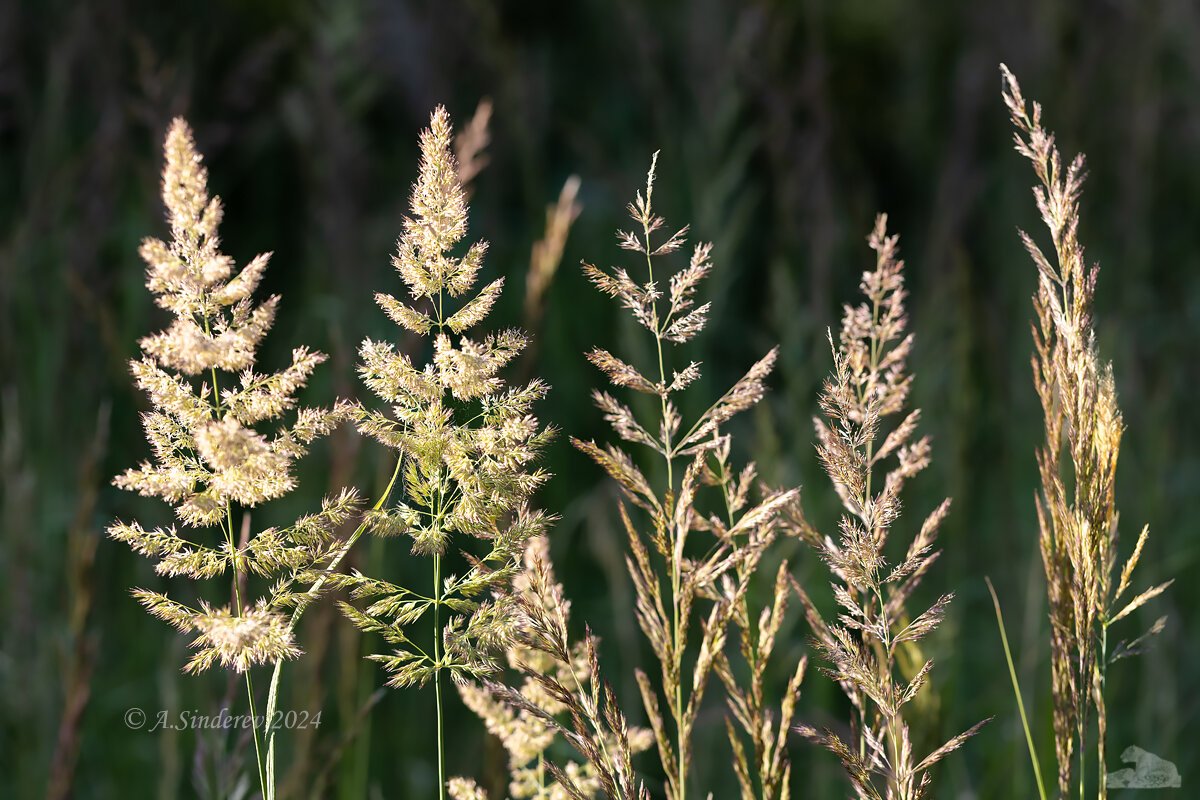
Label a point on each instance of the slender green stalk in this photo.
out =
(1012, 674)
(465, 445)
(1102, 731)
(273, 692)
(437, 672)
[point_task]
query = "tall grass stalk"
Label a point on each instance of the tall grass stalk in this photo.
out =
(208, 456)
(868, 384)
(1012, 674)
(465, 446)
(681, 571)
(1076, 506)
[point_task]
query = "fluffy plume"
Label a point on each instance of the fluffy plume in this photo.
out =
(209, 458)
(466, 444)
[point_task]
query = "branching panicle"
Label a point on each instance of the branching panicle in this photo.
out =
(681, 571)
(1078, 524)
(868, 385)
(208, 456)
(466, 446)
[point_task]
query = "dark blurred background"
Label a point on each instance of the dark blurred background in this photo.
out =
(784, 127)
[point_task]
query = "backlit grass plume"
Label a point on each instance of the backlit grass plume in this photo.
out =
(671, 569)
(561, 696)
(465, 446)
(868, 385)
(1077, 511)
(209, 458)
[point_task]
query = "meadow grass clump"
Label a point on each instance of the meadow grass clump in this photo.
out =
(210, 461)
(1076, 506)
(869, 384)
(673, 570)
(465, 447)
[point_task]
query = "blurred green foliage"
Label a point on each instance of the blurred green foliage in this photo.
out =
(784, 126)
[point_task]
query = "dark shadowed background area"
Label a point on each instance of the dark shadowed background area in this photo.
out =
(783, 128)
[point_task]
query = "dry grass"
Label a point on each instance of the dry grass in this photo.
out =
(466, 446)
(869, 384)
(1077, 510)
(561, 678)
(673, 571)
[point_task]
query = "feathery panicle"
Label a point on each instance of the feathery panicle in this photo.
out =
(869, 384)
(557, 678)
(208, 456)
(466, 443)
(1078, 524)
(681, 571)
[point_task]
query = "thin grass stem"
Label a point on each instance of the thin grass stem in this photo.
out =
(273, 692)
(676, 577)
(437, 672)
(1012, 673)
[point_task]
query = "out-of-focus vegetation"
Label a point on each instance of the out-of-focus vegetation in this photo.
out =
(784, 127)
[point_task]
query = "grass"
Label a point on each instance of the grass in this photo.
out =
(742, 625)
(464, 443)
(863, 649)
(670, 573)
(1077, 510)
